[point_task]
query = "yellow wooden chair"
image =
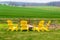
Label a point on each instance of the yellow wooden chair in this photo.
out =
(11, 26)
(39, 27)
(24, 25)
(42, 27)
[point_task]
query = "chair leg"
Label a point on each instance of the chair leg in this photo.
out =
(42, 29)
(16, 29)
(27, 30)
(46, 29)
(12, 29)
(21, 29)
(38, 30)
(33, 29)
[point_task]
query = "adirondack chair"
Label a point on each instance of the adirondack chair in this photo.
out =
(42, 27)
(39, 27)
(11, 26)
(24, 25)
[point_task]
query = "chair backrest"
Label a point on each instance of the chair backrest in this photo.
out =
(10, 24)
(23, 23)
(41, 24)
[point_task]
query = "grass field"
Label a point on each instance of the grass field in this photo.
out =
(31, 35)
(29, 12)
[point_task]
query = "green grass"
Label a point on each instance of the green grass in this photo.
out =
(9, 35)
(36, 12)
(31, 35)
(29, 12)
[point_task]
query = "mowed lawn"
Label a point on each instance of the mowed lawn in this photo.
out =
(31, 35)
(29, 12)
